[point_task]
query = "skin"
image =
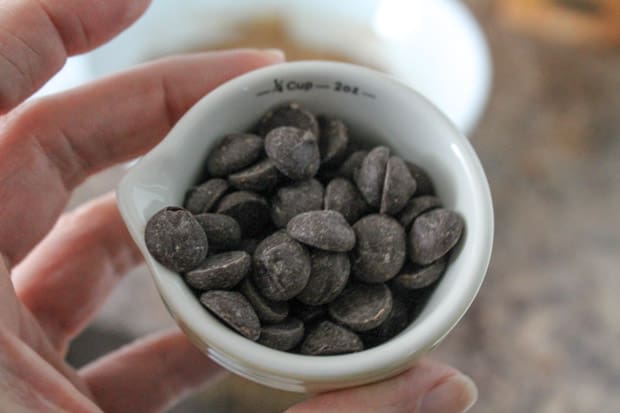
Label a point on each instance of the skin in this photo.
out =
(57, 270)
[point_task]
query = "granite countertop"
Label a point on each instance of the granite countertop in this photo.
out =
(544, 333)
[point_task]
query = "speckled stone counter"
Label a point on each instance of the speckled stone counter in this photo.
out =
(544, 334)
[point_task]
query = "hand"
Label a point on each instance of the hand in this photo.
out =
(57, 272)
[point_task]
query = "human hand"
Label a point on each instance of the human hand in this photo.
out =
(57, 272)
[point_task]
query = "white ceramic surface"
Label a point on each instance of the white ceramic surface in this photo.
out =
(434, 46)
(378, 109)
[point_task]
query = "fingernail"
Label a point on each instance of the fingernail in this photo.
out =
(276, 53)
(455, 395)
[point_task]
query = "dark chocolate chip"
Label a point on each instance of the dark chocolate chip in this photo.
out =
(422, 179)
(283, 336)
(371, 175)
(294, 199)
(223, 232)
(220, 272)
(380, 250)
(417, 307)
(343, 196)
(261, 177)
(329, 276)
(290, 114)
(326, 230)
(175, 239)
(249, 209)
(333, 141)
(268, 311)
(414, 277)
(411, 296)
(355, 145)
(308, 313)
(281, 267)
(397, 321)
(352, 164)
(248, 245)
(415, 207)
(233, 308)
(234, 152)
(203, 197)
(328, 338)
(362, 307)
(433, 234)
(398, 186)
(294, 151)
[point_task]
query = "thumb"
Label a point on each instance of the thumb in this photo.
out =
(428, 387)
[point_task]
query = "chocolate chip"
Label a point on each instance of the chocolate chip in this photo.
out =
(342, 196)
(398, 186)
(220, 272)
(294, 199)
(250, 210)
(397, 321)
(352, 164)
(290, 114)
(333, 141)
(414, 277)
(346, 169)
(420, 295)
(417, 307)
(380, 250)
(371, 175)
(326, 230)
(294, 151)
(422, 179)
(415, 207)
(175, 239)
(281, 267)
(268, 311)
(328, 277)
(433, 234)
(328, 338)
(234, 152)
(248, 245)
(203, 197)
(308, 313)
(362, 307)
(233, 308)
(223, 232)
(261, 177)
(283, 336)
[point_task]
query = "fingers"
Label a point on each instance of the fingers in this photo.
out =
(30, 384)
(18, 323)
(70, 274)
(49, 146)
(36, 36)
(149, 375)
(428, 387)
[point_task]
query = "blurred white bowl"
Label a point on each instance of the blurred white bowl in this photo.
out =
(434, 46)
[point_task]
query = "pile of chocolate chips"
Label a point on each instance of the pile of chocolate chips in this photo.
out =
(304, 241)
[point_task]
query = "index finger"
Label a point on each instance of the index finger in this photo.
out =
(37, 36)
(50, 145)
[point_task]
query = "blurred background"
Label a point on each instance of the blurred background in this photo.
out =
(535, 85)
